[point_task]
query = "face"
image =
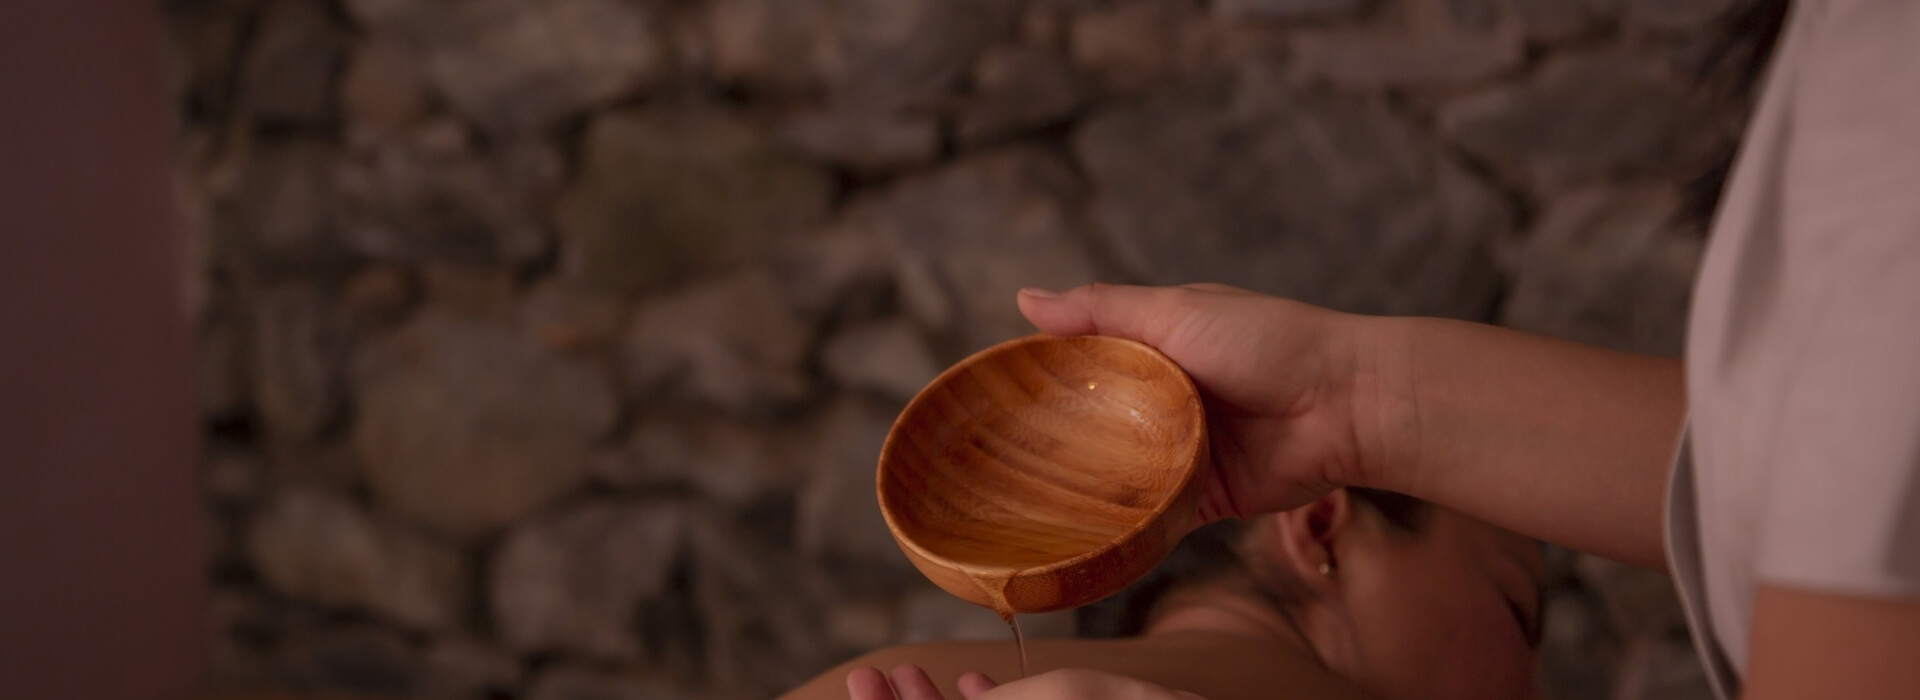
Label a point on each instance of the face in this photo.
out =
(1450, 612)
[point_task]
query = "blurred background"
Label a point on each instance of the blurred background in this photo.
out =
(546, 346)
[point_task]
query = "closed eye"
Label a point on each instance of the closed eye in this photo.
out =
(1529, 626)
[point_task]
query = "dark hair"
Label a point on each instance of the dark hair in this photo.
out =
(1731, 71)
(1216, 550)
(1405, 513)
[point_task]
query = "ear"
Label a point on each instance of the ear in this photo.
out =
(1303, 539)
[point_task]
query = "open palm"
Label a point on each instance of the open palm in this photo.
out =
(1281, 381)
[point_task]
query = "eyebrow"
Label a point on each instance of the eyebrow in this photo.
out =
(1539, 627)
(1537, 622)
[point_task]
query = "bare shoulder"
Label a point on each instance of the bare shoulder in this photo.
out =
(943, 661)
(1218, 667)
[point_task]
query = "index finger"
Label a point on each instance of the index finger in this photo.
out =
(867, 683)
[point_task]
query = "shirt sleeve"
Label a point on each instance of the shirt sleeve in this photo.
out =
(1842, 512)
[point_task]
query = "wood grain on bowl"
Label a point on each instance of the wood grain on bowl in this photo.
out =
(1045, 472)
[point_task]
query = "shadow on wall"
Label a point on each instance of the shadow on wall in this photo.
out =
(547, 345)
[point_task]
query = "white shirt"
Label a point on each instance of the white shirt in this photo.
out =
(1801, 464)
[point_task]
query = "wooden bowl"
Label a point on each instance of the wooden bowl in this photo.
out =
(1045, 473)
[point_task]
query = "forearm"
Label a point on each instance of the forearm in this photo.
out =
(1808, 644)
(1217, 667)
(1565, 442)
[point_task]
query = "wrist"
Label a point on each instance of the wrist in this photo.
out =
(1386, 415)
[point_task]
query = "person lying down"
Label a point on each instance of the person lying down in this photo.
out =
(1359, 594)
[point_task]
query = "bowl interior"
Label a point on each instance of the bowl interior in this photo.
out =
(1040, 451)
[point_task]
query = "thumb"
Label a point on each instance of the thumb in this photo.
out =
(1136, 313)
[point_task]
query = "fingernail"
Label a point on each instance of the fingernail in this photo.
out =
(1039, 292)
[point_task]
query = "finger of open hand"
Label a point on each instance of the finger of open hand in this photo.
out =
(974, 683)
(911, 683)
(867, 683)
(1137, 313)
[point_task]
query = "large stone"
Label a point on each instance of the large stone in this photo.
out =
(330, 463)
(564, 317)
(422, 196)
(419, 200)
(1585, 117)
(524, 64)
(376, 13)
(1579, 649)
(382, 89)
(312, 545)
(280, 211)
(206, 42)
(298, 353)
(1284, 9)
(836, 267)
(1402, 58)
(194, 149)
(731, 342)
(574, 582)
(534, 164)
(1662, 668)
(1016, 88)
(930, 614)
(734, 463)
(220, 351)
(1462, 15)
(1044, 23)
(861, 139)
(240, 623)
(1610, 267)
(969, 236)
(567, 683)
(357, 660)
(1133, 46)
(673, 631)
(461, 668)
(771, 44)
(763, 610)
(471, 291)
(885, 357)
(1639, 603)
(668, 195)
(1282, 192)
(1559, 20)
(468, 425)
(863, 624)
(880, 54)
(378, 295)
(837, 515)
(233, 476)
(292, 62)
(223, 543)
(1675, 15)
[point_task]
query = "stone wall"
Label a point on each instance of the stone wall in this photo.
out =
(547, 344)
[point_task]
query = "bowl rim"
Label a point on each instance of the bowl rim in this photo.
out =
(1196, 414)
